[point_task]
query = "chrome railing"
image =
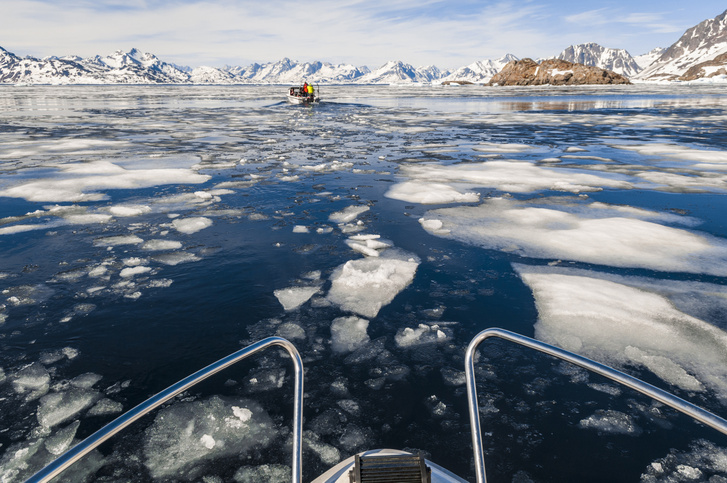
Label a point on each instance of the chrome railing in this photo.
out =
(93, 441)
(658, 394)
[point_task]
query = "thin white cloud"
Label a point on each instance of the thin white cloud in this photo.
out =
(616, 18)
(598, 16)
(218, 32)
(448, 34)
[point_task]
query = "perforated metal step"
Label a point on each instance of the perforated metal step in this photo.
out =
(390, 469)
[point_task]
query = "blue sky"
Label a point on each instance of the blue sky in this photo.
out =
(448, 34)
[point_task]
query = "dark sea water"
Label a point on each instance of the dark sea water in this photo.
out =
(146, 232)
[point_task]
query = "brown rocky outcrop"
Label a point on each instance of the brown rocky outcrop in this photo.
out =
(556, 72)
(711, 68)
(457, 82)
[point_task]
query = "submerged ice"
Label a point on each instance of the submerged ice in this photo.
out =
(187, 434)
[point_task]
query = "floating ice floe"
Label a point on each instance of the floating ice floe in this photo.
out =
(328, 167)
(293, 297)
(588, 233)
(632, 321)
(87, 218)
(27, 294)
(502, 147)
(191, 225)
(263, 474)
(129, 210)
(175, 258)
(368, 245)
(58, 407)
(185, 201)
(679, 152)
(33, 147)
(62, 439)
(22, 228)
(112, 241)
(161, 245)
(33, 381)
(425, 192)
(612, 422)
(348, 214)
(515, 177)
(423, 334)
(290, 331)
(686, 182)
(105, 407)
(130, 272)
(85, 381)
(50, 357)
(364, 286)
(328, 454)
(352, 227)
(188, 434)
(679, 466)
(348, 333)
(76, 182)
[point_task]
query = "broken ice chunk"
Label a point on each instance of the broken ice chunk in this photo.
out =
(158, 245)
(33, 379)
(191, 225)
(348, 333)
(57, 407)
(290, 331)
(609, 421)
(293, 297)
(348, 214)
(61, 441)
(188, 433)
(364, 286)
(424, 334)
(86, 381)
(105, 407)
(263, 474)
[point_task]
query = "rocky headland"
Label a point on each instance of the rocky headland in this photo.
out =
(556, 72)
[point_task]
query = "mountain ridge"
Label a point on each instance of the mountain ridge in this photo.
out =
(593, 54)
(701, 45)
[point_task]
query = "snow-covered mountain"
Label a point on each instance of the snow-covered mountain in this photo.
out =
(645, 60)
(397, 72)
(210, 75)
(286, 71)
(52, 70)
(615, 60)
(479, 72)
(701, 43)
(698, 52)
(133, 67)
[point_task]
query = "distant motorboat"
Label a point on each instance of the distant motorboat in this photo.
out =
(296, 95)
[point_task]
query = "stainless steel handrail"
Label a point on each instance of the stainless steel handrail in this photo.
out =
(660, 395)
(87, 445)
